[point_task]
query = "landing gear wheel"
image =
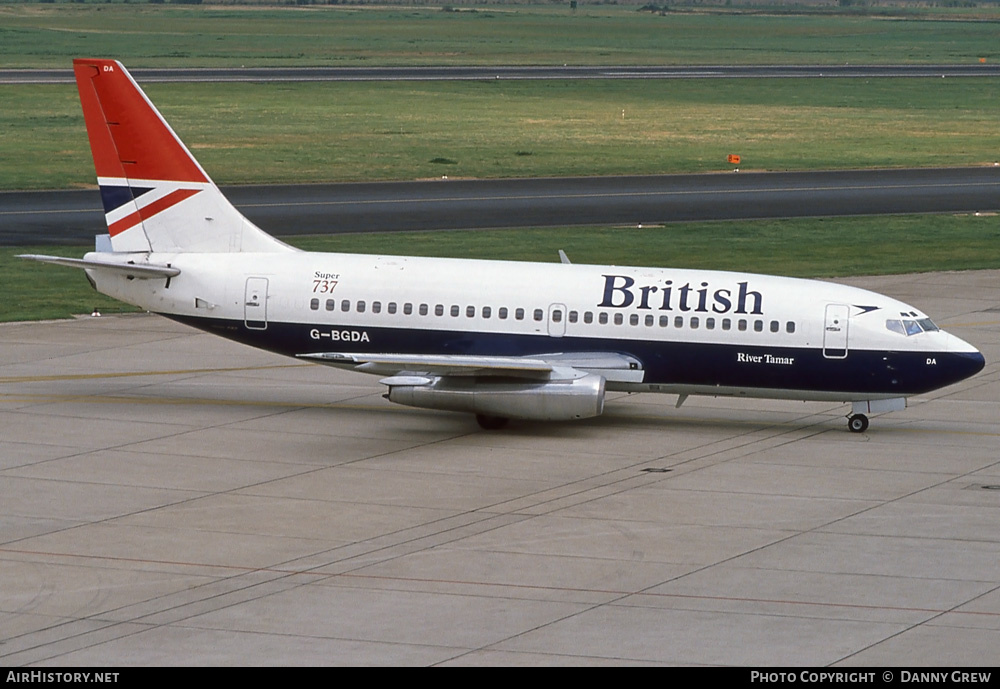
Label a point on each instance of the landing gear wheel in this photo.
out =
(494, 423)
(857, 423)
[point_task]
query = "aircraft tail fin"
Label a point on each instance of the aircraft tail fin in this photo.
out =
(156, 196)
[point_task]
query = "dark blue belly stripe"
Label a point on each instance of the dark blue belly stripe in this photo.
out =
(665, 363)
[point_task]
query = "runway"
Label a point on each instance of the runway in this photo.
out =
(170, 498)
(515, 72)
(283, 210)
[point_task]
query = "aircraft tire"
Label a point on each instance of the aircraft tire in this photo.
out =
(857, 423)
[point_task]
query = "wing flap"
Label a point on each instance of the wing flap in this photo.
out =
(555, 366)
(438, 365)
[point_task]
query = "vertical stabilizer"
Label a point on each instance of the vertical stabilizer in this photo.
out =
(156, 196)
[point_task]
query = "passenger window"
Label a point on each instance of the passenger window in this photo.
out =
(439, 309)
(588, 317)
(407, 309)
(664, 321)
(758, 326)
(345, 306)
(556, 316)
(709, 324)
(361, 307)
(775, 326)
(391, 307)
(649, 320)
(539, 314)
(423, 309)
(633, 319)
(678, 321)
(619, 319)
(694, 322)
(742, 325)
(454, 310)
(470, 311)
(790, 327)
(314, 304)
(502, 313)
(726, 324)
(602, 318)
(376, 307)
(573, 315)
(487, 311)
(519, 314)
(330, 304)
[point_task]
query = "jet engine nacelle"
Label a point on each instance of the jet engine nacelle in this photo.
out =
(578, 398)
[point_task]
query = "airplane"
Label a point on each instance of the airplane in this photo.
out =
(498, 339)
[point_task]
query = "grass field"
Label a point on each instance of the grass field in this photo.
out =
(41, 35)
(372, 131)
(363, 131)
(306, 132)
(801, 247)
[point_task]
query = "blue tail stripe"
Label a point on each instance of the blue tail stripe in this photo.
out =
(114, 197)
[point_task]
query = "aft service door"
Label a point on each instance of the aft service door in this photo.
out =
(835, 331)
(557, 320)
(255, 304)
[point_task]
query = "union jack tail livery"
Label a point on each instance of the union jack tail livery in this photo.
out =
(156, 196)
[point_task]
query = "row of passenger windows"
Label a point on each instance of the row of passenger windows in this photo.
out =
(602, 317)
(423, 309)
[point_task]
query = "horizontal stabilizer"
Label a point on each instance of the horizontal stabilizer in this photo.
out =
(137, 270)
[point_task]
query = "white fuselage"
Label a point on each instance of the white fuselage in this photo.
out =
(694, 331)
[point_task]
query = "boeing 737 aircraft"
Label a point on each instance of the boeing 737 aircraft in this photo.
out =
(497, 339)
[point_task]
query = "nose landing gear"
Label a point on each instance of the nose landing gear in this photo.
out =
(857, 422)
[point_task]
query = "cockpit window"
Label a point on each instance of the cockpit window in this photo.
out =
(895, 326)
(909, 326)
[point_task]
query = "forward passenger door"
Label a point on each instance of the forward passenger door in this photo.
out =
(836, 331)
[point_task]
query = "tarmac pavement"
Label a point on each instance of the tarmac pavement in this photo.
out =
(170, 498)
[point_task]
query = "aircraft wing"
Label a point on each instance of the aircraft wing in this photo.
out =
(555, 366)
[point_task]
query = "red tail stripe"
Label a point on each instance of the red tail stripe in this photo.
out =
(128, 137)
(171, 199)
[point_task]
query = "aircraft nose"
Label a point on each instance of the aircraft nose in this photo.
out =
(968, 364)
(965, 360)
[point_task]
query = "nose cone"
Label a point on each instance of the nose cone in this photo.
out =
(966, 364)
(964, 360)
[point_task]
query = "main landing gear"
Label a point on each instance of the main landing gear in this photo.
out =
(495, 423)
(857, 423)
